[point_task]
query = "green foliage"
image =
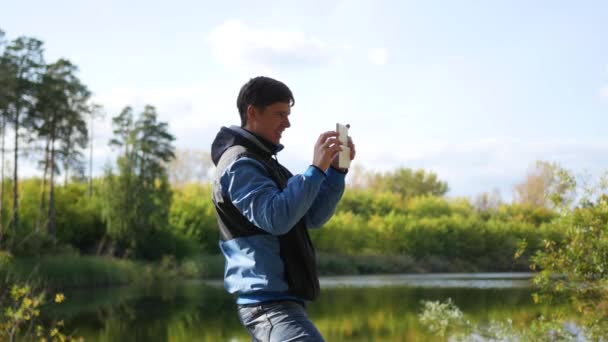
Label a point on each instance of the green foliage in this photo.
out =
(137, 200)
(434, 231)
(577, 266)
(409, 183)
(546, 185)
(525, 213)
(572, 267)
(157, 243)
(445, 319)
(76, 271)
(21, 305)
(79, 218)
(367, 202)
(193, 216)
(442, 318)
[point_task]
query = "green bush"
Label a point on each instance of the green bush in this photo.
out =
(193, 216)
(365, 223)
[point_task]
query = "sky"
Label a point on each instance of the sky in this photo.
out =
(475, 91)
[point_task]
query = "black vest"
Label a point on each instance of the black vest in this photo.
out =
(296, 249)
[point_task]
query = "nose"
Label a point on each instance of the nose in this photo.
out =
(287, 123)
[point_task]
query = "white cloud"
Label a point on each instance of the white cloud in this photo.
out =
(194, 112)
(482, 165)
(193, 106)
(237, 45)
(378, 56)
(472, 167)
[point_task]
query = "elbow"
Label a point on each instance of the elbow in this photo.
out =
(314, 223)
(278, 222)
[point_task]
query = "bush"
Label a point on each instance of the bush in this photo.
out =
(193, 216)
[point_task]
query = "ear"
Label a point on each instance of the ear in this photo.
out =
(252, 113)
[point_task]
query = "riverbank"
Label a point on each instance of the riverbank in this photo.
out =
(73, 271)
(335, 264)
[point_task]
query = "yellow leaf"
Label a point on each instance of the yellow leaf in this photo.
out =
(535, 298)
(59, 298)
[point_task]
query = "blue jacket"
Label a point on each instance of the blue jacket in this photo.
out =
(261, 228)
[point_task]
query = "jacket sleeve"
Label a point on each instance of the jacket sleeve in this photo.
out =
(327, 199)
(250, 188)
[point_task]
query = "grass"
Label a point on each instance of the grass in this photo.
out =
(75, 271)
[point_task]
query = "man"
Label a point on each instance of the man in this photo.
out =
(264, 213)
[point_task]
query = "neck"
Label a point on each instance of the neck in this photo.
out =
(260, 137)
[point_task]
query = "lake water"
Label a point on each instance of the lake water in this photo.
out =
(350, 308)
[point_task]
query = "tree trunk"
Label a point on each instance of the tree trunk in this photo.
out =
(51, 218)
(91, 161)
(66, 169)
(43, 187)
(3, 128)
(15, 224)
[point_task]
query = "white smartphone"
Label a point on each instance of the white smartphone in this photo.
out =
(344, 156)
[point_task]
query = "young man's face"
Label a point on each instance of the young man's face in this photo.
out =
(269, 122)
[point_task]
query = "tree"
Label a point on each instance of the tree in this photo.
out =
(546, 184)
(59, 119)
(138, 198)
(154, 151)
(118, 191)
(5, 89)
(74, 136)
(576, 266)
(23, 57)
(488, 201)
(124, 134)
(95, 112)
(409, 183)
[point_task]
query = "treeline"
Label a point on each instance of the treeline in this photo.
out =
(47, 109)
(438, 231)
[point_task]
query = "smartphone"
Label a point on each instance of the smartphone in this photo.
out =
(344, 156)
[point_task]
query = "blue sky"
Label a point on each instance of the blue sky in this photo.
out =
(473, 90)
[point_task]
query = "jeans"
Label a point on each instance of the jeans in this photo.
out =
(282, 321)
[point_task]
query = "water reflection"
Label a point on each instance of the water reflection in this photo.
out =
(381, 308)
(445, 280)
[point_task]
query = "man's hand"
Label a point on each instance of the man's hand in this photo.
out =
(334, 162)
(326, 149)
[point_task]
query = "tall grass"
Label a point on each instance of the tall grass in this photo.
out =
(72, 271)
(75, 271)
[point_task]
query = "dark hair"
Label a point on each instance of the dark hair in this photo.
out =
(260, 92)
